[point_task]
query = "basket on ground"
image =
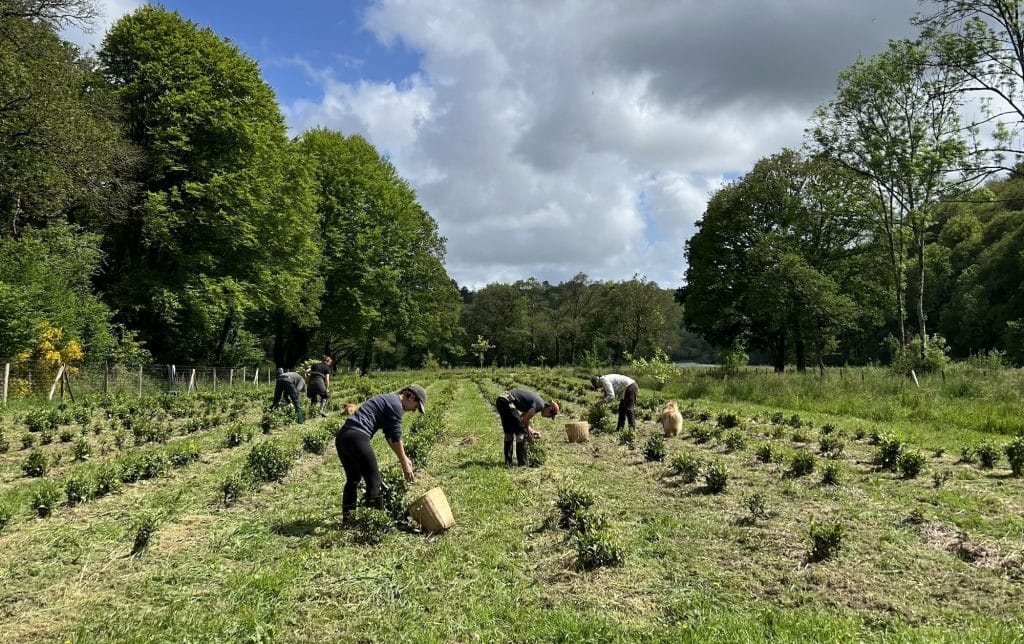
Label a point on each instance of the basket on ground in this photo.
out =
(432, 511)
(578, 432)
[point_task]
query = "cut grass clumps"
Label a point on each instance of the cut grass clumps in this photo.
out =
(801, 464)
(569, 501)
(910, 463)
(270, 461)
(988, 455)
(686, 466)
(369, 526)
(716, 477)
(596, 549)
(46, 497)
(315, 441)
(36, 464)
(654, 449)
(826, 540)
(1015, 455)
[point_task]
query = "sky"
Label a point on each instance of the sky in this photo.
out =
(549, 138)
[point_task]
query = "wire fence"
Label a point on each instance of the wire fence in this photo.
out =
(113, 380)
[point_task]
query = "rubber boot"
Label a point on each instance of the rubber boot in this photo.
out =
(323, 407)
(346, 514)
(521, 447)
(509, 442)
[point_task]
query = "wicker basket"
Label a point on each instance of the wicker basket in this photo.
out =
(578, 432)
(432, 511)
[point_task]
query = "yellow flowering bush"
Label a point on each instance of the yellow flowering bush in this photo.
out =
(37, 367)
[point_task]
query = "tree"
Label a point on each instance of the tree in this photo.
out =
(895, 122)
(641, 318)
(500, 312)
(224, 236)
(480, 348)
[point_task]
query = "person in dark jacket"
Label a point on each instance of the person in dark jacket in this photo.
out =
(319, 391)
(515, 409)
(289, 384)
(382, 412)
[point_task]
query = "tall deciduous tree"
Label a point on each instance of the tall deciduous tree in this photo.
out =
(225, 233)
(896, 122)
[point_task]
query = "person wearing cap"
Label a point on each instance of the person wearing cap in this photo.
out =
(515, 409)
(618, 386)
(320, 385)
(289, 384)
(382, 412)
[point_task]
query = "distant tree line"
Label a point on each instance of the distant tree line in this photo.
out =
(154, 208)
(895, 234)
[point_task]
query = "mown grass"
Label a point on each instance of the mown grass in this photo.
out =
(276, 566)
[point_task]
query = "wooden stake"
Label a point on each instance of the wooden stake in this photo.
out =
(231, 378)
(215, 378)
(191, 381)
(914, 376)
(140, 381)
(7, 378)
(256, 378)
(53, 388)
(67, 382)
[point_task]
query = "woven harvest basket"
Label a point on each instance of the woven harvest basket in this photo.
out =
(577, 432)
(432, 511)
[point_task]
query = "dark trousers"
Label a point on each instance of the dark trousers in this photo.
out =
(626, 407)
(515, 433)
(317, 392)
(285, 387)
(360, 463)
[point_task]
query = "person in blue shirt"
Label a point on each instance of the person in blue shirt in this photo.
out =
(515, 409)
(382, 412)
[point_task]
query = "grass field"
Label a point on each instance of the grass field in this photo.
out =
(936, 557)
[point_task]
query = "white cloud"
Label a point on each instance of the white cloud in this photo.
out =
(110, 11)
(549, 139)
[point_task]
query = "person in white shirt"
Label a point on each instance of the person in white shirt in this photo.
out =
(618, 386)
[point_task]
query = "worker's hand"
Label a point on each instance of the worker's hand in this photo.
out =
(410, 476)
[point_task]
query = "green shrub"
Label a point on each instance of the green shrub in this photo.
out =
(315, 441)
(237, 435)
(81, 450)
(185, 454)
(393, 488)
(270, 461)
(1015, 454)
(569, 501)
(795, 422)
(79, 488)
(766, 453)
(66, 435)
(757, 506)
(654, 449)
(599, 419)
(233, 487)
(28, 440)
(369, 526)
(988, 455)
(888, 454)
(938, 478)
(778, 418)
(151, 466)
(143, 528)
(910, 463)
(36, 464)
(828, 428)
(826, 540)
(536, 453)
(6, 513)
(46, 437)
(830, 474)
(727, 420)
(716, 477)
(596, 549)
(701, 434)
(801, 464)
(108, 480)
(46, 497)
(586, 521)
(735, 441)
(967, 455)
(686, 466)
(831, 446)
(627, 437)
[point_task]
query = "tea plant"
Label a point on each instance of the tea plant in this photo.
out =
(81, 450)
(28, 440)
(1015, 454)
(46, 497)
(108, 480)
(766, 453)
(686, 466)
(827, 429)
(938, 478)
(757, 507)
(826, 540)
(967, 455)
(66, 435)
(830, 474)
(185, 454)
(393, 488)
(727, 420)
(795, 421)
(831, 446)
(735, 441)
(597, 550)
(654, 449)
(144, 527)
(233, 487)
(536, 453)
(701, 434)
(599, 419)
(586, 521)
(315, 441)
(269, 461)
(801, 464)
(988, 455)
(627, 437)
(569, 501)
(716, 477)
(36, 464)
(369, 526)
(888, 453)
(778, 418)
(79, 488)
(910, 463)
(237, 435)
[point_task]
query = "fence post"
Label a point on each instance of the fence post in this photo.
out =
(231, 378)
(191, 382)
(106, 379)
(53, 388)
(7, 378)
(215, 378)
(256, 378)
(140, 381)
(243, 376)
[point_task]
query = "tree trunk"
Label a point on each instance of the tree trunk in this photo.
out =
(228, 322)
(920, 295)
(779, 355)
